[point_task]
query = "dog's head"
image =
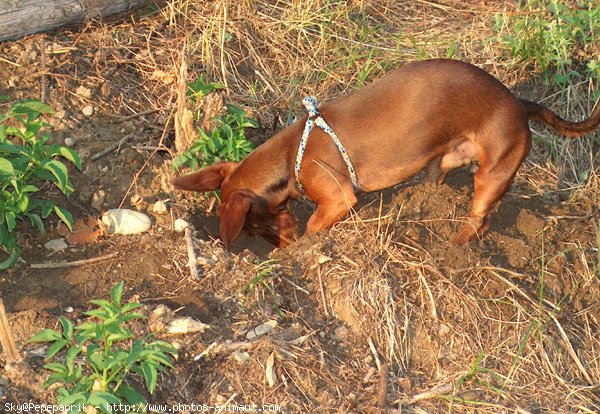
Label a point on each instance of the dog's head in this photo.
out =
(241, 208)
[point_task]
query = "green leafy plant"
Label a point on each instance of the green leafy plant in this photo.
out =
(265, 272)
(26, 161)
(227, 140)
(95, 361)
(558, 37)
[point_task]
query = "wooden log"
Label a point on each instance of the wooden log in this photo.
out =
(22, 17)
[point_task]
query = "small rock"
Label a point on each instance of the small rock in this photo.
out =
(340, 334)
(270, 370)
(159, 207)
(124, 221)
(56, 245)
(443, 330)
(180, 225)
(186, 325)
(98, 199)
(69, 142)
(471, 396)
(88, 110)
(261, 330)
(69, 309)
(241, 356)
(323, 259)
(84, 92)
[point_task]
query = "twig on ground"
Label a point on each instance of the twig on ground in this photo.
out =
(122, 118)
(44, 96)
(223, 348)
(57, 265)
(382, 388)
(375, 354)
(190, 251)
(114, 146)
(427, 395)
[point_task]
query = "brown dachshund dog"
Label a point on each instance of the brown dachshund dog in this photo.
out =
(439, 114)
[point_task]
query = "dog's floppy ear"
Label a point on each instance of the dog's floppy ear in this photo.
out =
(233, 215)
(207, 179)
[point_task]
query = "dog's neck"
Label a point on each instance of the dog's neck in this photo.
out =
(274, 180)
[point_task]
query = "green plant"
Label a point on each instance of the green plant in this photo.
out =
(26, 160)
(558, 37)
(226, 142)
(265, 271)
(99, 357)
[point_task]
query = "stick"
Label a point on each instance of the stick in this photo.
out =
(44, 97)
(6, 338)
(123, 118)
(113, 146)
(190, 251)
(427, 395)
(383, 385)
(55, 265)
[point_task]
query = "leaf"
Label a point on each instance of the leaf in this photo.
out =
(45, 335)
(65, 216)
(55, 348)
(116, 293)
(67, 326)
(59, 171)
(30, 106)
(47, 207)
(14, 255)
(150, 375)
(36, 221)
(70, 356)
(6, 167)
(66, 153)
(56, 367)
(131, 395)
(11, 221)
(71, 399)
(103, 400)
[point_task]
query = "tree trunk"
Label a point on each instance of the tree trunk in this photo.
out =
(22, 17)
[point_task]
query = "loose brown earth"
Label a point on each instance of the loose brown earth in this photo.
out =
(526, 297)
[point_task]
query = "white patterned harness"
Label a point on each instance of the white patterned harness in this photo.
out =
(315, 118)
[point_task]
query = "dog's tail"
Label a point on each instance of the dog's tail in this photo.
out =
(567, 128)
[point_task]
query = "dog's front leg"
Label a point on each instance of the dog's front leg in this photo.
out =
(329, 211)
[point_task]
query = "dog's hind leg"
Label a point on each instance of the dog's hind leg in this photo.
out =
(497, 168)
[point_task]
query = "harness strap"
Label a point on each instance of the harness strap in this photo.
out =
(315, 118)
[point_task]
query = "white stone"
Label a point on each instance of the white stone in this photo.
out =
(98, 199)
(159, 207)
(84, 92)
(69, 142)
(88, 110)
(124, 221)
(186, 325)
(180, 225)
(261, 330)
(241, 356)
(56, 245)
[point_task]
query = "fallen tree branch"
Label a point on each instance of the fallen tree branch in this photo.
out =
(23, 17)
(57, 265)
